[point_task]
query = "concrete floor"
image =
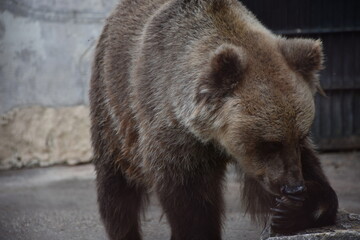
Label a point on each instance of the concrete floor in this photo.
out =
(59, 203)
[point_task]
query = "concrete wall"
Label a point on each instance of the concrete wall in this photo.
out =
(46, 49)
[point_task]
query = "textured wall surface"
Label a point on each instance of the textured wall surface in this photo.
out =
(39, 136)
(46, 50)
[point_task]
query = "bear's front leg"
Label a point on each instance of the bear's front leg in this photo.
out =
(315, 207)
(193, 203)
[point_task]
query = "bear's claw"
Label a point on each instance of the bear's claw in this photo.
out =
(286, 213)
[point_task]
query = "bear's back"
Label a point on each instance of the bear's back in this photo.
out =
(113, 127)
(123, 31)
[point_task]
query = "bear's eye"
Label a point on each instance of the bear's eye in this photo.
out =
(270, 147)
(303, 140)
(304, 137)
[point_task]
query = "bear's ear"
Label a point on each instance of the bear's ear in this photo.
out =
(226, 68)
(303, 55)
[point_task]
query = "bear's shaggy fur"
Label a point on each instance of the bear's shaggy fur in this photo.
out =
(180, 89)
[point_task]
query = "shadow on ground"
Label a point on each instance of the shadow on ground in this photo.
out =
(60, 203)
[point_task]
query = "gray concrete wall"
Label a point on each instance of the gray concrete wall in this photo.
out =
(46, 50)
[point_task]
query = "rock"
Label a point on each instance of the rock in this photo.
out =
(347, 227)
(40, 136)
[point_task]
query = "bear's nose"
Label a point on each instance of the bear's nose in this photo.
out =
(296, 189)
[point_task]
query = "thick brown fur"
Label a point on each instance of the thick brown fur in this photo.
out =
(180, 89)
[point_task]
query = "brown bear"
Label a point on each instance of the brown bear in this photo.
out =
(182, 88)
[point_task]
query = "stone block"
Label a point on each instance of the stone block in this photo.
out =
(347, 227)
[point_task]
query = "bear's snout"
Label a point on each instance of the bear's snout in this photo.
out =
(293, 189)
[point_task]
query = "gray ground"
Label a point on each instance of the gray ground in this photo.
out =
(59, 203)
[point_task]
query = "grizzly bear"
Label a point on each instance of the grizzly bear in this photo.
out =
(182, 88)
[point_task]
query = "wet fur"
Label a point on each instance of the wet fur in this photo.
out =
(163, 122)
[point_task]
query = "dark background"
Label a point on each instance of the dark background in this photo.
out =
(337, 24)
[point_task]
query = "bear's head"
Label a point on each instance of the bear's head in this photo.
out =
(260, 106)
